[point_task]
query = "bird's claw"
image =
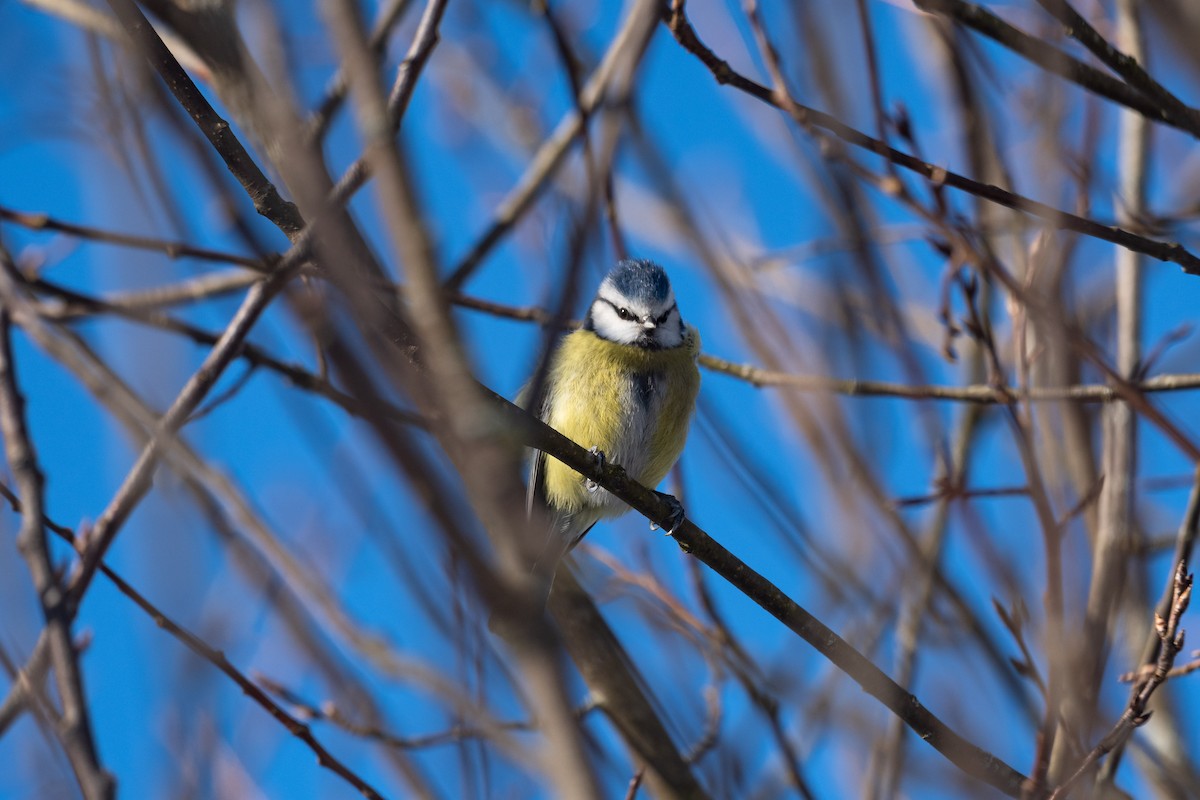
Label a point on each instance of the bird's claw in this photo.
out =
(601, 460)
(676, 517)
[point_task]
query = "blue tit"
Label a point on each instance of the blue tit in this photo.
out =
(623, 385)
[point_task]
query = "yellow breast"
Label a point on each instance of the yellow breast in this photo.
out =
(632, 403)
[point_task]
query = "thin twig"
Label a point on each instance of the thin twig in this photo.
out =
(331, 713)
(137, 483)
(1056, 61)
(335, 92)
(980, 393)
(73, 725)
(1124, 65)
(1174, 672)
(686, 35)
(1116, 527)
(633, 35)
(266, 198)
(966, 756)
(1170, 638)
(172, 249)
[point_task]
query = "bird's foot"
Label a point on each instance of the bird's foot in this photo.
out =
(601, 460)
(676, 518)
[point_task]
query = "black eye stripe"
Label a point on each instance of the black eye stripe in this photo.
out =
(625, 314)
(622, 312)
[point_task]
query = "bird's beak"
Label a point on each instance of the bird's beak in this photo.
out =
(648, 323)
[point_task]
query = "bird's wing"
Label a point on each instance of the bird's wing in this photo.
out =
(579, 538)
(534, 493)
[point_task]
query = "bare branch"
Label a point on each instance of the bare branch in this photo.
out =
(73, 724)
(937, 175)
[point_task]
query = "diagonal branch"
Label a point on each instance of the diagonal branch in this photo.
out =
(1057, 62)
(627, 45)
(206, 651)
(137, 483)
(968, 757)
(266, 198)
(685, 34)
(1170, 640)
(1124, 65)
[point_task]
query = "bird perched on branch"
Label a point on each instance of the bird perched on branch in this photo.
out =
(623, 385)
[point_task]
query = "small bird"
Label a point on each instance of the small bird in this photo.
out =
(623, 385)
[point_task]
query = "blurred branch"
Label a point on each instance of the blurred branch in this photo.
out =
(139, 479)
(330, 712)
(760, 695)
(335, 93)
(1117, 528)
(966, 756)
(73, 302)
(1057, 62)
(262, 192)
(173, 250)
(917, 601)
(612, 677)
(486, 463)
(625, 51)
(812, 119)
(72, 305)
(87, 18)
(1021, 425)
(294, 726)
(604, 177)
(222, 283)
(1170, 640)
(200, 647)
(1126, 66)
(72, 724)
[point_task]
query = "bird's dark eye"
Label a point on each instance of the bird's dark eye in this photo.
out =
(623, 313)
(663, 317)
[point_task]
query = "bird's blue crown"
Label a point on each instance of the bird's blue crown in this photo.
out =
(640, 278)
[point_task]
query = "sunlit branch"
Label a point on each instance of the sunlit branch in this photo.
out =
(980, 393)
(87, 18)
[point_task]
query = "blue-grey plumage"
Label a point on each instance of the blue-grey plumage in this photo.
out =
(624, 384)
